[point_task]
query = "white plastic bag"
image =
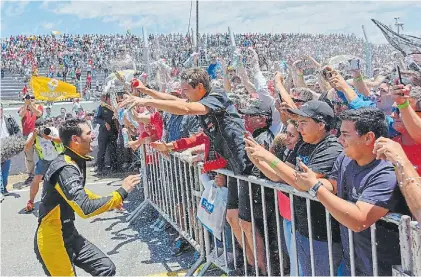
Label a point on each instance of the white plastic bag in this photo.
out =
(212, 208)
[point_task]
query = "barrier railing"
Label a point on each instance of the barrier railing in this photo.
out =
(173, 187)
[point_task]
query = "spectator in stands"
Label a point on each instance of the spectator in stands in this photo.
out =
(78, 73)
(8, 127)
(366, 191)
(214, 67)
(318, 150)
(24, 90)
(348, 95)
(29, 113)
(76, 105)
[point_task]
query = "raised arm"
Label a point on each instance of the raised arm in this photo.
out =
(71, 189)
(137, 84)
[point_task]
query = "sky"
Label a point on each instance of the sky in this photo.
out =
(110, 17)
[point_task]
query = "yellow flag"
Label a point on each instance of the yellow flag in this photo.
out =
(52, 89)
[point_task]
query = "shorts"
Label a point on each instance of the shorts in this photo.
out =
(239, 198)
(41, 167)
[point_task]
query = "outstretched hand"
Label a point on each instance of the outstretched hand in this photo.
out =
(133, 101)
(160, 146)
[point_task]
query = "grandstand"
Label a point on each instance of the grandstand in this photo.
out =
(12, 83)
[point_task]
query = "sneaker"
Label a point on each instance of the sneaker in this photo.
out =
(29, 179)
(5, 192)
(181, 246)
(29, 206)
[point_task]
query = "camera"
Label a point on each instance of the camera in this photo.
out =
(45, 130)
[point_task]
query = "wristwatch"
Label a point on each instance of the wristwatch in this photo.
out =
(314, 189)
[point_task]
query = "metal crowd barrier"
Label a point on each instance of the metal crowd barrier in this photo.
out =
(172, 187)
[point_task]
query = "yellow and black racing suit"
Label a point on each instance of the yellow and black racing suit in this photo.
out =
(58, 245)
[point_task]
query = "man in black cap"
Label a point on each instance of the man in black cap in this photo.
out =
(258, 123)
(318, 150)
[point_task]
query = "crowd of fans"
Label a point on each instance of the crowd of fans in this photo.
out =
(66, 55)
(274, 108)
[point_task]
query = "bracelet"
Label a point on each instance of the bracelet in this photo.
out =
(403, 105)
(274, 163)
(359, 78)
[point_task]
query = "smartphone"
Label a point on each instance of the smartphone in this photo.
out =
(354, 64)
(327, 74)
(297, 164)
(398, 70)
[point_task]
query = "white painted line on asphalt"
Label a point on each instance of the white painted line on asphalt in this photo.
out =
(104, 182)
(93, 183)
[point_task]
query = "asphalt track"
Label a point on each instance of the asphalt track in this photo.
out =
(136, 249)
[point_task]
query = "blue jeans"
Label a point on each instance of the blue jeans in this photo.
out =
(321, 256)
(291, 251)
(5, 169)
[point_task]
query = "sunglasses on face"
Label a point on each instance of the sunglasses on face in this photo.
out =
(338, 103)
(298, 100)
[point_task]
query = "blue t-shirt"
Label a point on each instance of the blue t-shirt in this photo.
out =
(360, 102)
(391, 132)
(213, 70)
(179, 126)
(374, 183)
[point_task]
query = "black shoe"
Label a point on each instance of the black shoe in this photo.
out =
(29, 180)
(181, 246)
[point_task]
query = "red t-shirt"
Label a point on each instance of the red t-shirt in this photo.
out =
(413, 152)
(28, 121)
(284, 206)
(153, 130)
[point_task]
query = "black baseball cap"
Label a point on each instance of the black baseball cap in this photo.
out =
(315, 109)
(253, 110)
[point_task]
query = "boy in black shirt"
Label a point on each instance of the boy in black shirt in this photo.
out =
(318, 151)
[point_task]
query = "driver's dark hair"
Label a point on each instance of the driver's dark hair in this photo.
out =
(195, 76)
(69, 128)
(367, 120)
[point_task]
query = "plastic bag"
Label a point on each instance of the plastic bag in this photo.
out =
(212, 208)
